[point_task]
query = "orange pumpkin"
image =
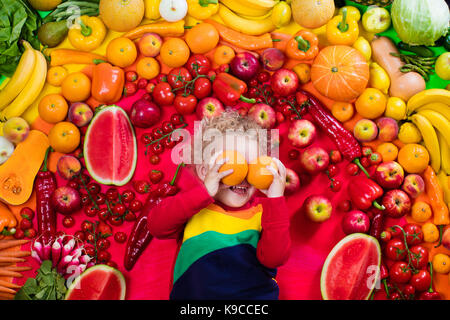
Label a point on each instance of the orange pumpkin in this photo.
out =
(340, 73)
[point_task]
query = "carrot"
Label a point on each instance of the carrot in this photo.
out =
(165, 29)
(242, 40)
(61, 57)
(9, 284)
(5, 244)
(8, 273)
(6, 296)
(435, 194)
(11, 259)
(15, 254)
(7, 290)
(17, 268)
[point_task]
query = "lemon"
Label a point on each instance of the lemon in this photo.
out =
(379, 78)
(352, 12)
(363, 46)
(44, 5)
(281, 14)
(409, 133)
(442, 66)
(395, 108)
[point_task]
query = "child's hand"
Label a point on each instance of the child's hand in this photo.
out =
(276, 189)
(213, 177)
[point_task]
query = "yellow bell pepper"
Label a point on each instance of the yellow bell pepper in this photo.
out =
(87, 34)
(202, 9)
(342, 30)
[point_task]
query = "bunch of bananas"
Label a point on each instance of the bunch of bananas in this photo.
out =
(25, 85)
(255, 17)
(429, 110)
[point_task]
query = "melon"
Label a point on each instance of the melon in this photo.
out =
(110, 147)
(351, 268)
(99, 282)
(122, 15)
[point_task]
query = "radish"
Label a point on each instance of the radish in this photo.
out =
(35, 255)
(85, 259)
(74, 262)
(56, 252)
(68, 247)
(64, 262)
(37, 250)
(76, 253)
(46, 251)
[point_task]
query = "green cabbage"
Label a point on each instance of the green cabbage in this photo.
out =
(420, 22)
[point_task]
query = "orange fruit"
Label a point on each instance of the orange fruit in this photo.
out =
(56, 75)
(223, 55)
(441, 263)
(371, 103)
(76, 87)
(258, 175)
(174, 52)
(388, 151)
(147, 68)
(202, 38)
(430, 232)
(303, 71)
(414, 158)
(342, 111)
(53, 108)
(121, 52)
(237, 162)
(421, 211)
(64, 137)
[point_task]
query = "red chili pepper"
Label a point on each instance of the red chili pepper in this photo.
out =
(45, 185)
(229, 89)
(344, 139)
(430, 294)
(376, 225)
(364, 192)
(384, 274)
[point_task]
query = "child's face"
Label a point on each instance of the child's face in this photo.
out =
(239, 195)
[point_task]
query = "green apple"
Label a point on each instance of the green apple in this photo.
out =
(16, 130)
(376, 20)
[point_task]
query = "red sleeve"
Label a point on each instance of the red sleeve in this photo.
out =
(275, 242)
(168, 218)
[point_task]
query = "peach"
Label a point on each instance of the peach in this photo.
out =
(387, 129)
(16, 130)
(446, 239)
(68, 167)
(413, 185)
(272, 59)
(365, 130)
(150, 44)
(80, 114)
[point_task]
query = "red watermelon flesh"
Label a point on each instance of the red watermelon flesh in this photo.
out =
(100, 282)
(110, 147)
(350, 268)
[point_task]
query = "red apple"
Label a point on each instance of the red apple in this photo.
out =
(209, 107)
(66, 200)
(144, 114)
(302, 133)
(292, 181)
(413, 185)
(318, 208)
(446, 239)
(68, 167)
(80, 114)
(397, 203)
(355, 221)
(244, 65)
(263, 114)
(272, 59)
(314, 159)
(389, 174)
(284, 82)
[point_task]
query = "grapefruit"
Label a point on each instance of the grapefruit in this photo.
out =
(110, 147)
(351, 268)
(99, 282)
(122, 15)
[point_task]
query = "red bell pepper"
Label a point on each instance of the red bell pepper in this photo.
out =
(364, 192)
(230, 89)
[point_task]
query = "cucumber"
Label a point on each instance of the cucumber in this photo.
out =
(421, 51)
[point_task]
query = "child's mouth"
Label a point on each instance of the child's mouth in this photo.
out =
(239, 189)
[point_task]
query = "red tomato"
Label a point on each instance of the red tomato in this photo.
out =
(178, 77)
(176, 119)
(202, 88)
(395, 250)
(419, 256)
(141, 186)
(103, 244)
(400, 272)
(128, 196)
(130, 89)
(332, 170)
(162, 94)
(120, 237)
(366, 151)
(185, 104)
(103, 214)
(154, 159)
(131, 76)
(112, 194)
(414, 233)
(352, 169)
(135, 205)
(103, 256)
(68, 221)
(421, 280)
(335, 156)
(167, 127)
(198, 63)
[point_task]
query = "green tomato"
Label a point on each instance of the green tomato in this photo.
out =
(442, 66)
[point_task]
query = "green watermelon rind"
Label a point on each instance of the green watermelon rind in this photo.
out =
(87, 162)
(97, 267)
(337, 247)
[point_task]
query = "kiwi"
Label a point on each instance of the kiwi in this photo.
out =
(52, 34)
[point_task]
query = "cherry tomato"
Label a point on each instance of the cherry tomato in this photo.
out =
(100, 198)
(68, 221)
(87, 226)
(115, 220)
(409, 291)
(365, 162)
(253, 83)
(399, 272)
(162, 77)
(176, 119)
(130, 216)
(253, 93)
(90, 238)
(25, 224)
(162, 94)
(366, 151)
(375, 158)
(141, 186)
(335, 185)
(263, 77)
(293, 117)
(135, 205)
(120, 237)
(286, 110)
(93, 188)
(198, 63)
(131, 76)
(73, 184)
(414, 233)
(103, 228)
(142, 83)
(157, 133)
(421, 280)
(128, 196)
(147, 96)
(90, 211)
(178, 77)
(224, 68)
(396, 232)
(335, 156)
(27, 213)
(130, 89)
(83, 177)
(167, 127)
(395, 250)
(157, 148)
(293, 154)
(344, 205)
(385, 236)
(112, 264)
(80, 235)
(154, 159)
(332, 170)
(119, 209)
(419, 256)
(112, 194)
(103, 214)
(202, 88)
(395, 296)
(103, 244)
(149, 88)
(103, 256)
(90, 251)
(352, 169)
(30, 233)
(185, 104)
(19, 234)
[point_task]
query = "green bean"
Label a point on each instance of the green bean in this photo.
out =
(78, 4)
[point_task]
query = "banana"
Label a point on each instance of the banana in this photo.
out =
(260, 4)
(31, 90)
(239, 8)
(246, 26)
(265, 16)
(439, 122)
(430, 139)
(438, 107)
(445, 154)
(20, 77)
(428, 96)
(444, 182)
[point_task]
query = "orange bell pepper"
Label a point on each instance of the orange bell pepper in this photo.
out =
(303, 46)
(107, 83)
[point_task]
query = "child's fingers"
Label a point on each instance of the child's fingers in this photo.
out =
(225, 173)
(273, 171)
(218, 164)
(281, 167)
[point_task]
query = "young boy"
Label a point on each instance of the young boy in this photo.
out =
(231, 241)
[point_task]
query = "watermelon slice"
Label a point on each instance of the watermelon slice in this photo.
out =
(110, 147)
(99, 282)
(351, 268)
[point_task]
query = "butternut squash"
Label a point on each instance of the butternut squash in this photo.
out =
(18, 172)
